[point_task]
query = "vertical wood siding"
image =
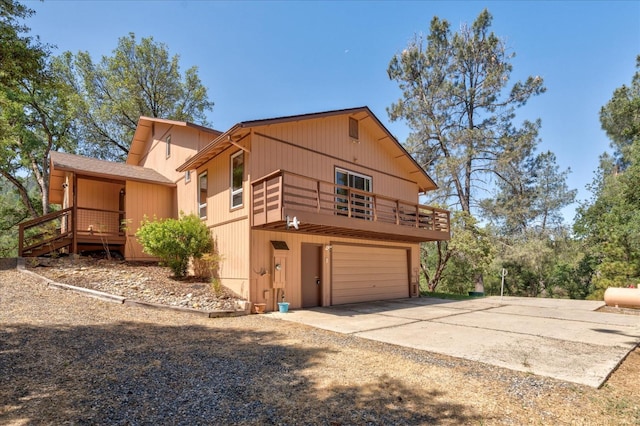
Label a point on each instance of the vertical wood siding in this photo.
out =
(229, 227)
(187, 195)
(219, 195)
(261, 260)
(185, 142)
(93, 194)
(232, 241)
(98, 195)
(324, 144)
(150, 200)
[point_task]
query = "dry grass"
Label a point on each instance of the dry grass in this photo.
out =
(66, 358)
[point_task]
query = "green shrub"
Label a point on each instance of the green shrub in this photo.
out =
(208, 265)
(175, 241)
(216, 287)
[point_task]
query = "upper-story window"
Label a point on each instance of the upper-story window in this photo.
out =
(203, 186)
(168, 146)
(237, 175)
(357, 201)
(187, 176)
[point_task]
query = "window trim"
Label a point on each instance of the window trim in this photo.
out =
(358, 200)
(167, 150)
(240, 190)
(352, 173)
(202, 205)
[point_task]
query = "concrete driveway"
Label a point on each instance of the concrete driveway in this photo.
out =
(564, 339)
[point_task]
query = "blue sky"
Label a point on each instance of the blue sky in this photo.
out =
(269, 59)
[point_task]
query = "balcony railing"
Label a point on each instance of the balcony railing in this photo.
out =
(99, 222)
(60, 229)
(324, 203)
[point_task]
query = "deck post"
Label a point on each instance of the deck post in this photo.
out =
(375, 208)
(265, 184)
(74, 216)
(281, 195)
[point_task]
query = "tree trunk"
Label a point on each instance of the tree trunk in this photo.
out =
(42, 178)
(441, 264)
(479, 283)
(22, 191)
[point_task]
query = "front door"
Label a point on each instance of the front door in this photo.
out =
(311, 275)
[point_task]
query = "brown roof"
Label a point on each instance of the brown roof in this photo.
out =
(180, 123)
(239, 131)
(144, 129)
(106, 169)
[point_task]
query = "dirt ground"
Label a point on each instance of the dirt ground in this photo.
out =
(70, 359)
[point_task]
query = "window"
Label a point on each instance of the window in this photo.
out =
(168, 146)
(353, 128)
(187, 176)
(202, 195)
(237, 175)
(359, 203)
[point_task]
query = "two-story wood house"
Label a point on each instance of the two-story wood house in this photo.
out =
(321, 208)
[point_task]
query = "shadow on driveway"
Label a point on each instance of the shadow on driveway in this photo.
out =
(140, 373)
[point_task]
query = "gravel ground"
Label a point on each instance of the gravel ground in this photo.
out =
(69, 359)
(145, 282)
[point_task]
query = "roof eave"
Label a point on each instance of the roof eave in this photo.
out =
(431, 185)
(180, 123)
(205, 154)
(425, 184)
(114, 177)
(145, 123)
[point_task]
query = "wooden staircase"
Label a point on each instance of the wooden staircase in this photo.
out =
(72, 229)
(46, 234)
(48, 247)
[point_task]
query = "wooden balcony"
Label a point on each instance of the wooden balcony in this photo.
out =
(70, 229)
(326, 208)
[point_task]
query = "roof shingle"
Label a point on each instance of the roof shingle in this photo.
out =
(107, 169)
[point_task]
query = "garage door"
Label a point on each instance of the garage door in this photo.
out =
(361, 274)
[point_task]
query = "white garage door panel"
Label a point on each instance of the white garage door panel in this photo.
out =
(363, 274)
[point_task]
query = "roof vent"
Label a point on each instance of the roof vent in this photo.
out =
(353, 128)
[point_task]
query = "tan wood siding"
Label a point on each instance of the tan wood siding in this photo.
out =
(261, 264)
(219, 195)
(364, 273)
(98, 195)
(232, 242)
(185, 142)
(187, 195)
(230, 227)
(56, 189)
(101, 199)
(315, 147)
(143, 199)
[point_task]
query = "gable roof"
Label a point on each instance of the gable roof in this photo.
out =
(145, 128)
(86, 166)
(240, 130)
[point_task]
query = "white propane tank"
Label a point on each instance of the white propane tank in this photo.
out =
(622, 297)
